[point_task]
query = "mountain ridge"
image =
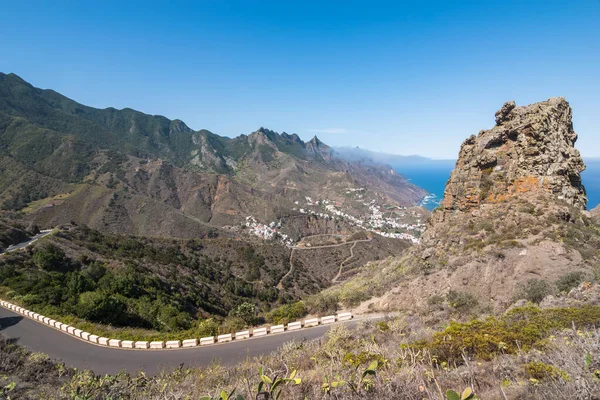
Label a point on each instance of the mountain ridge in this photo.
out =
(62, 139)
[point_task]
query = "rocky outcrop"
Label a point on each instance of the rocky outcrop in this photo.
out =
(595, 212)
(529, 152)
(319, 149)
(513, 213)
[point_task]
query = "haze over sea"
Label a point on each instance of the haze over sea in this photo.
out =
(433, 175)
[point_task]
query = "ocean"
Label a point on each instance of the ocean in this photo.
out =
(433, 175)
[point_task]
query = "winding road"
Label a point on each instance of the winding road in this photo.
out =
(77, 353)
(334, 280)
(81, 354)
(353, 242)
(27, 243)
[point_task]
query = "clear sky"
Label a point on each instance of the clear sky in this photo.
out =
(401, 77)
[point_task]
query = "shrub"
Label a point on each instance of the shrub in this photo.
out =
(232, 324)
(245, 311)
(462, 301)
(51, 258)
(207, 327)
(323, 303)
(287, 313)
(435, 300)
(539, 370)
(382, 326)
(535, 290)
(569, 281)
(519, 330)
(100, 307)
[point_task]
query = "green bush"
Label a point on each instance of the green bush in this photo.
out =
(569, 281)
(51, 258)
(287, 313)
(99, 307)
(232, 324)
(462, 301)
(539, 370)
(207, 327)
(245, 311)
(519, 330)
(534, 290)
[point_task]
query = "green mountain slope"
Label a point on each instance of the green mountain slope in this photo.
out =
(50, 145)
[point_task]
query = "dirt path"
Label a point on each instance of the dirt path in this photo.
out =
(331, 245)
(354, 242)
(334, 280)
(280, 284)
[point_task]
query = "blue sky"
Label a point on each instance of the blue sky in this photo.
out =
(400, 77)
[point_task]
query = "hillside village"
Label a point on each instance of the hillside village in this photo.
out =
(394, 222)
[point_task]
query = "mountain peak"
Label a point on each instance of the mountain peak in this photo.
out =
(513, 213)
(315, 140)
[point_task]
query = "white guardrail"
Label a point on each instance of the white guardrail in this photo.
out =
(174, 344)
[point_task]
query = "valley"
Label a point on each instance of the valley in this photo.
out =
(144, 249)
(162, 233)
(274, 200)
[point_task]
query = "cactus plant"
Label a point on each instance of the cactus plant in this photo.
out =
(272, 387)
(467, 394)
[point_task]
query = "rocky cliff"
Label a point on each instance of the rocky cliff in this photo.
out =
(513, 216)
(529, 152)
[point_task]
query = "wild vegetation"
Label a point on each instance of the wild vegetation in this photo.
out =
(153, 285)
(527, 353)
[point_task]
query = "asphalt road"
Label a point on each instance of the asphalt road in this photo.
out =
(103, 360)
(27, 243)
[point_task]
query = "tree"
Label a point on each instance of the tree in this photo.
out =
(51, 258)
(102, 307)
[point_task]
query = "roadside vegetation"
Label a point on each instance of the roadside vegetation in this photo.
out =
(526, 353)
(149, 289)
(111, 284)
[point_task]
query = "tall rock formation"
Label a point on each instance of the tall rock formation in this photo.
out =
(529, 152)
(513, 212)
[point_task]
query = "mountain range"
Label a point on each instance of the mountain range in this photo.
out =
(124, 187)
(128, 172)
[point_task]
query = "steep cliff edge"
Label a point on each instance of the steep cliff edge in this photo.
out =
(513, 218)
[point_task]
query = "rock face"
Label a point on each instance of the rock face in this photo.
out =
(513, 212)
(529, 152)
(595, 212)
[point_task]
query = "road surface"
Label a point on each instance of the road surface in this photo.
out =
(25, 244)
(103, 360)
